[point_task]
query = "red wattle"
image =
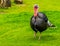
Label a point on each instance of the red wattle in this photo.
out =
(35, 12)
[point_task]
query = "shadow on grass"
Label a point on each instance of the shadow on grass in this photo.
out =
(44, 38)
(48, 38)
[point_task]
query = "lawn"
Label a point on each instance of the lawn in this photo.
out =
(15, 24)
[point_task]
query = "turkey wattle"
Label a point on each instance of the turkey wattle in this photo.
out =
(39, 22)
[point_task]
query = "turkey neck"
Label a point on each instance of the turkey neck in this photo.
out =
(35, 12)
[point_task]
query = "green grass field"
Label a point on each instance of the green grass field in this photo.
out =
(15, 24)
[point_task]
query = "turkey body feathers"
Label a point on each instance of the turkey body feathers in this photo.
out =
(39, 23)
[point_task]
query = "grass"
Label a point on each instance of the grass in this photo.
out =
(15, 29)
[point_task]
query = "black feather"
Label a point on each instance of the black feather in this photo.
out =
(39, 23)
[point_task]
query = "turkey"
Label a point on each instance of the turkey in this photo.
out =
(39, 22)
(18, 1)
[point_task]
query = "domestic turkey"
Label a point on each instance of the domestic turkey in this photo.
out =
(39, 22)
